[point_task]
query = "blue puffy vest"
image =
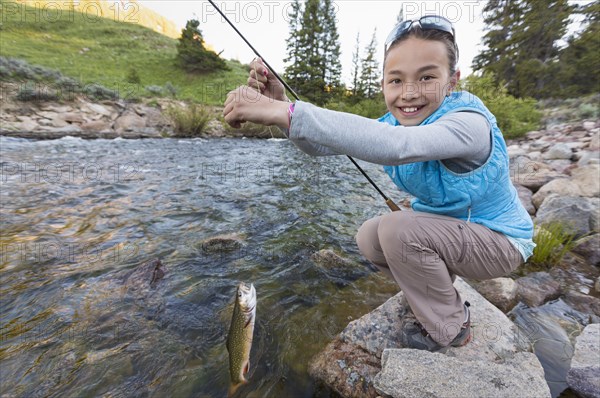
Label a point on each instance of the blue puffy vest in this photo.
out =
(485, 195)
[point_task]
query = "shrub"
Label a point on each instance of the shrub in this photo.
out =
(189, 121)
(98, 92)
(171, 89)
(155, 90)
(372, 108)
(133, 77)
(515, 116)
(30, 93)
(552, 241)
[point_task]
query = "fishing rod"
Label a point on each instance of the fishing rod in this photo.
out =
(389, 202)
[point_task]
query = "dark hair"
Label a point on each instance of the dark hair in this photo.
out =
(435, 35)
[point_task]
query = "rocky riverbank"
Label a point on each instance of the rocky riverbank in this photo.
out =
(557, 173)
(108, 119)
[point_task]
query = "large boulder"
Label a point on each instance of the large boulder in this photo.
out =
(350, 363)
(584, 375)
(589, 248)
(559, 186)
(502, 292)
(526, 198)
(558, 151)
(588, 180)
(537, 288)
(415, 373)
(530, 173)
(579, 215)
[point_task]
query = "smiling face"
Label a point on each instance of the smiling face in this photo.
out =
(416, 79)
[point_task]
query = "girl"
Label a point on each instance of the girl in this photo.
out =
(442, 147)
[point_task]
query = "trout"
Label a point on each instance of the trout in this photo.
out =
(239, 340)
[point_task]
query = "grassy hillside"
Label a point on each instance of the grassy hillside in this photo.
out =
(106, 52)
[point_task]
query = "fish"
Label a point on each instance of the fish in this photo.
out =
(241, 331)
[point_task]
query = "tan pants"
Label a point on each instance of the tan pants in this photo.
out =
(423, 252)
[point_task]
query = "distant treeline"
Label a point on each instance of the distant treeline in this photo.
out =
(527, 51)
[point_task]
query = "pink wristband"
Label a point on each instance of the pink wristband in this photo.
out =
(290, 112)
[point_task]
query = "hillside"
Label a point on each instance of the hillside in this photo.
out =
(106, 51)
(125, 11)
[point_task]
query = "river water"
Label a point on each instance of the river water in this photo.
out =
(77, 216)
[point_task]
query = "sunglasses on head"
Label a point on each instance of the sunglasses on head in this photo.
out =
(428, 22)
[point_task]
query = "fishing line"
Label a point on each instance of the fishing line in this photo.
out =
(389, 202)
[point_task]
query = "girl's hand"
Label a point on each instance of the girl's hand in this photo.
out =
(263, 80)
(245, 104)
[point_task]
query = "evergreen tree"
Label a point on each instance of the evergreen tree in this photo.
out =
(191, 53)
(400, 16)
(369, 76)
(331, 50)
(522, 42)
(313, 51)
(357, 87)
(294, 44)
(581, 55)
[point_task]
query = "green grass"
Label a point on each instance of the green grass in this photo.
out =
(553, 241)
(115, 49)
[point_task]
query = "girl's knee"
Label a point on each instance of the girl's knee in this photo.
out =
(398, 227)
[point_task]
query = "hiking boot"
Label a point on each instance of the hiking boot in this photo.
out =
(415, 335)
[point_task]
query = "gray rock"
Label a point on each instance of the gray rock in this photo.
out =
(589, 125)
(415, 373)
(502, 292)
(578, 215)
(515, 150)
(97, 125)
(559, 186)
(583, 303)
(558, 151)
(346, 369)
(336, 267)
(530, 173)
(584, 375)
(129, 121)
(525, 195)
(560, 165)
(363, 341)
(222, 243)
(588, 157)
(537, 288)
(588, 180)
(594, 143)
(97, 109)
(589, 248)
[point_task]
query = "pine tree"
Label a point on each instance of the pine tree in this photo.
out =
(191, 53)
(522, 45)
(313, 51)
(331, 51)
(370, 69)
(400, 16)
(294, 44)
(582, 54)
(357, 87)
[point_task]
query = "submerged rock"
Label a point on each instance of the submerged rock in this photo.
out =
(549, 329)
(336, 267)
(222, 243)
(584, 375)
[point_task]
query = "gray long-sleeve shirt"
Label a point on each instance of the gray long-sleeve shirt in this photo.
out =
(462, 140)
